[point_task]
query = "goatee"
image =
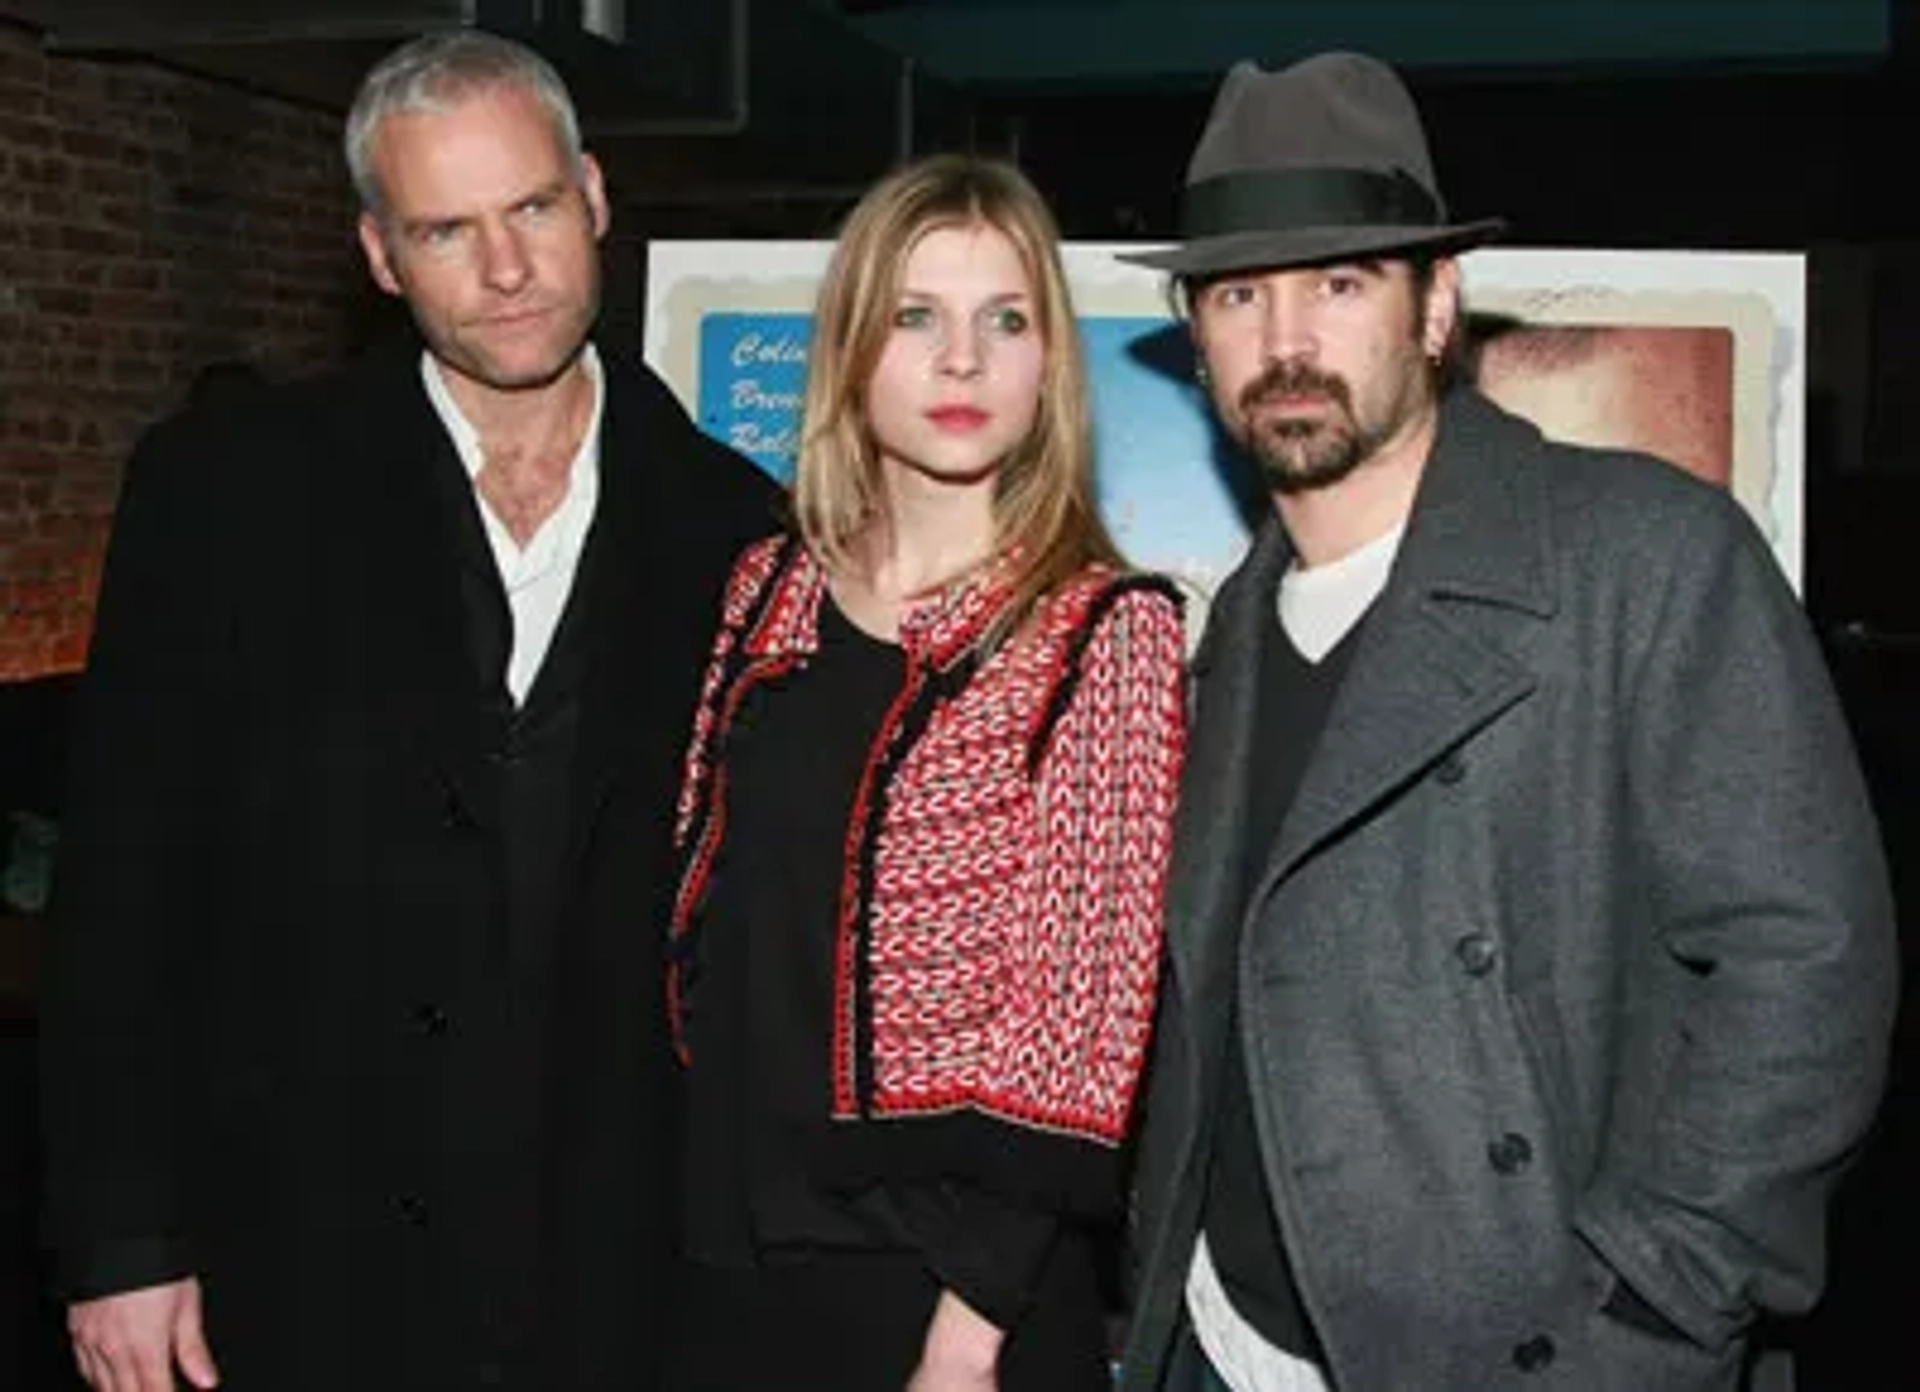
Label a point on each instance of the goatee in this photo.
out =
(1298, 454)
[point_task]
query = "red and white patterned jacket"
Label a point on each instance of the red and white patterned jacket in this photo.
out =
(999, 929)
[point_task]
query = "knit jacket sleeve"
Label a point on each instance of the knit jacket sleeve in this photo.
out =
(1106, 781)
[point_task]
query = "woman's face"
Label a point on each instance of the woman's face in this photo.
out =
(957, 386)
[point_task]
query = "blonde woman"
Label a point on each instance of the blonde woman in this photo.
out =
(925, 822)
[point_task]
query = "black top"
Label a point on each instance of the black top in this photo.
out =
(1247, 1248)
(760, 1097)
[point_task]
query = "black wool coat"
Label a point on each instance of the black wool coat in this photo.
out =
(294, 1040)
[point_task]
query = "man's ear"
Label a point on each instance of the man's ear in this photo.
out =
(595, 187)
(379, 266)
(1189, 312)
(1442, 307)
(1202, 375)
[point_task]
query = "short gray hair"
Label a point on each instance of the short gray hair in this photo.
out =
(437, 71)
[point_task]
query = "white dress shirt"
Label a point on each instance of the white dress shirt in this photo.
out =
(539, 576)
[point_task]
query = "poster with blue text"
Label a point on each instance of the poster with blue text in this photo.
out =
(1698, 357)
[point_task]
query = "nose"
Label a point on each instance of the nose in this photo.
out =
(1287, 332)
(959, 350)
(504, 262)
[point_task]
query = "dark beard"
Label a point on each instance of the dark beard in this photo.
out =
(1298, 456)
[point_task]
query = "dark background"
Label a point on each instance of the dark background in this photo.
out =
(1636, 138)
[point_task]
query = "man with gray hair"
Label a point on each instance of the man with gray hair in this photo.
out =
(1531, 957)
(355, 1064)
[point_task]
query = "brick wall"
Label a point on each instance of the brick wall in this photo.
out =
(150, 223)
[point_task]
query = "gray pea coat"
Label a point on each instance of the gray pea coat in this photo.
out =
(1573, 961)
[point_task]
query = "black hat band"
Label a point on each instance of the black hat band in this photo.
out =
(1271, 200)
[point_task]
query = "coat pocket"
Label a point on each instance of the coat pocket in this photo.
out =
(1623, 1357)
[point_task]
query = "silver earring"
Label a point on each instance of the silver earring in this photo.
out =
(1201, 376)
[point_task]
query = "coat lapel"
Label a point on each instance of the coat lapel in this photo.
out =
(432, 574)
(1437, 658)
(1210, 850)
(619, 591)
(611, 596)
(1418, 685)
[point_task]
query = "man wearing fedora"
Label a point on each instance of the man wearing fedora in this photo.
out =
(1531, 955)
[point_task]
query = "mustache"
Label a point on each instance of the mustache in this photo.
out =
(1294, 379)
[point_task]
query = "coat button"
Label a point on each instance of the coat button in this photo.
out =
(1534, 1355)
(1477, 953)
(1510, 1154)
(430, 1020)
(412, 1209)
(1451, 769)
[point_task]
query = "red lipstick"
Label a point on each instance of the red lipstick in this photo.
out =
(958, 418)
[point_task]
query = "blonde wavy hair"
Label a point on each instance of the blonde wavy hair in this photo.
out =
(1045, 522)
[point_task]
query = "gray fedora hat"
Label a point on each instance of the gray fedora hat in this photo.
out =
(1322, 161)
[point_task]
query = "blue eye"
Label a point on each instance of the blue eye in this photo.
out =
(1009, 320)
(913, 316)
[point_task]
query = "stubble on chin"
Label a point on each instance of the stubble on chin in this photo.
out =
(1302, 464)
(1297, 454)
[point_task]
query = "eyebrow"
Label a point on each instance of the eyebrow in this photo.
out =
(907, 292)
(1372, 266)
(552, 189)
(414, 228)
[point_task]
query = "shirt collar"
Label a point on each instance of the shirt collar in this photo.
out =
(466, 439)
